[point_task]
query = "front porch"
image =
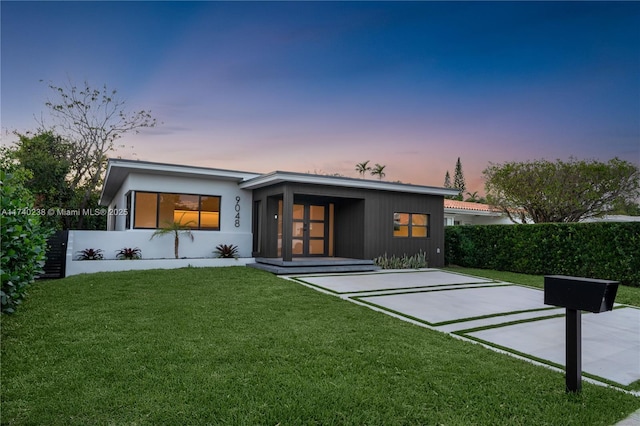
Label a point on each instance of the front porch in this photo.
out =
(313, 265)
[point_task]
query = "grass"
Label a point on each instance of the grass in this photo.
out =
(626, 295)
(241, 346)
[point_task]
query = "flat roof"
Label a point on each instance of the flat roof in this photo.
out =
(306, 178)
(118, 170)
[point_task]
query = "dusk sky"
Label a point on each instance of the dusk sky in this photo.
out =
(321, 86)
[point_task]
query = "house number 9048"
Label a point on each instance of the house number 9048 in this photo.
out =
(237, 212)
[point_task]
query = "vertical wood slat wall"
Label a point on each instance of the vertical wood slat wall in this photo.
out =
(363, 220)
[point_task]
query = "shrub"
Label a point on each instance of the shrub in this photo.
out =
(23, 239)
(129, 253)
(90, 254)
(416, 261)
(605, 250)
(226, 251)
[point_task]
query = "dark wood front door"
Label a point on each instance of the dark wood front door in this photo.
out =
(310, 229)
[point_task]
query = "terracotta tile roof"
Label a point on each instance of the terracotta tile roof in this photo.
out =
(465, 205)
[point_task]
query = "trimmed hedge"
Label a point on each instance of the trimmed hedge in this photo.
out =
(23, 241)
(603, 250)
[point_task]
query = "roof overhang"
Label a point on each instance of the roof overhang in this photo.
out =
(118, 170)
(277, 177)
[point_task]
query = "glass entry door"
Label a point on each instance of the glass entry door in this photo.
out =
(309, 233)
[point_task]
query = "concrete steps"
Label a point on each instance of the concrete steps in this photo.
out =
(307, 265)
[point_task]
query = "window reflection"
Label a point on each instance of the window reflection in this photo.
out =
(412, 225)
(155, 210)
(146, 210)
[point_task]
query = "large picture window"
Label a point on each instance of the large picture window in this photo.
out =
(155, 210)
(411, 225)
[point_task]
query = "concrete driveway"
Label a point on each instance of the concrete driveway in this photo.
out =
(497, 314)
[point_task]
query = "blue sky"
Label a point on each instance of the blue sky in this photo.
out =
(321, 86)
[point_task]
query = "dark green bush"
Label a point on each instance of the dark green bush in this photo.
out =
(596, 250)
(23, 240)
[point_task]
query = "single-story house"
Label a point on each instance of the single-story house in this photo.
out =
(274, 217)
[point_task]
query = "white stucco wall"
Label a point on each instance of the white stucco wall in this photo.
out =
(93, 266)
(228, 190)
(472, 219)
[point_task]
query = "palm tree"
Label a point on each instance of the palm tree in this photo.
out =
(176, 228)
(475, 198)
(378, 170)
(363, 168)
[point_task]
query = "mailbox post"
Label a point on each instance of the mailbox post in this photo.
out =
(577, 294)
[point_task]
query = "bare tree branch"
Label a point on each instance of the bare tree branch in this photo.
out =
(91, 120)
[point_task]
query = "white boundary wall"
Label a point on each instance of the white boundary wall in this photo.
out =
(91, 266)
(156, 253)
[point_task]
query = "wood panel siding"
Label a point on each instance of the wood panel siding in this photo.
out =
(269, 198)
(349, 228)
(363, 220)
(379, 239)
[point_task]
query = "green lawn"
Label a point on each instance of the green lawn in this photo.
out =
(240, 346)
(627, 295)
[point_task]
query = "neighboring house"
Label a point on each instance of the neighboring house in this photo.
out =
(282, 216)
(466, 213)
(613, 218)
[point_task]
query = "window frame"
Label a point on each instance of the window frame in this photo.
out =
(157, 219)
(129, 217)
(410, 225)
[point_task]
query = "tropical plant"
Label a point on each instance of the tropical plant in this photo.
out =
(175, 228)
(226, 251)
(127, 253)
(90, 254)
(363, 168)
(378, 170)
(475, 198)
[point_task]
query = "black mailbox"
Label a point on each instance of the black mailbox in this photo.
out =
(576, 295)
(583, 294)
